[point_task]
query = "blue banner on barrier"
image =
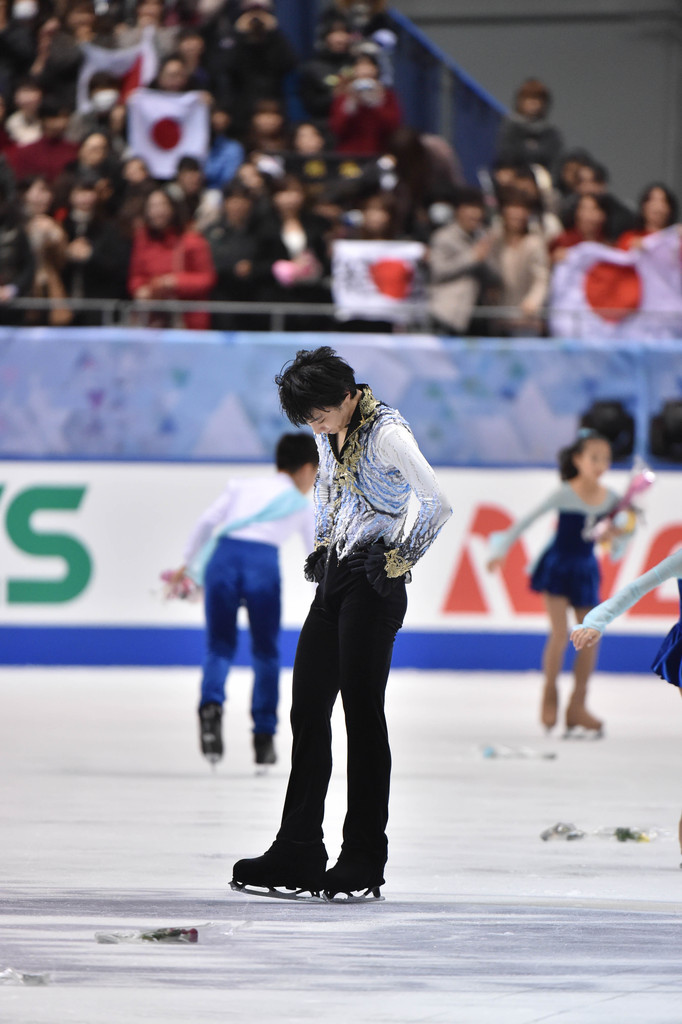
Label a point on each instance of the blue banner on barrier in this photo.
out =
(111, 393)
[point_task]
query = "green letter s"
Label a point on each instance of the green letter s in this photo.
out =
(47, 545)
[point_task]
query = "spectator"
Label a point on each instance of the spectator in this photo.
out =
(363, 17)
(268, 131)
(260, 59)
(23, 126)
(95, 161)
(190, 49)
(542, 219)
(364, 113)
(566, 179)
(48, 245)
(657, 209)
(526, 136)
(594, 179)
(379, 219)
(292, 259)
(97, 253)
(233, 249)
(149, 14)
(17, 265)
(322, 75)
(172, 75)
(312, 160)
(587, 222)
(59, 56)
(226, 154)
(135, 177)
(104, 115)
(519, 258)
(52, 152)
(459, 271)
(258, 186)
(188, 186)
(169, 261)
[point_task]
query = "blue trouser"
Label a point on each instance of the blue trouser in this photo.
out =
(247, 572)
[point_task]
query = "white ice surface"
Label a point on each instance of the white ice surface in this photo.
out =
(111, 820)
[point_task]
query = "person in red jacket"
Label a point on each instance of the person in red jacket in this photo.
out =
(364, 112)
(169, 261)
(47, 157)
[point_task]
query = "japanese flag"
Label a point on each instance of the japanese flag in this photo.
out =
(165, 126)
(381, 280)
(134, 66)
(600, 292)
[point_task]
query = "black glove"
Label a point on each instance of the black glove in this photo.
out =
(372, 562)
(313, 568)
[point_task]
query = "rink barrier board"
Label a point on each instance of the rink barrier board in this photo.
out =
(160, 647)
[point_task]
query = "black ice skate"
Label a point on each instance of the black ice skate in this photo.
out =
(352, 881)
(211, 732)
(264, 748)
(287, 871)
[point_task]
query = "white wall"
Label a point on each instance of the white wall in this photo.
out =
(614, 67)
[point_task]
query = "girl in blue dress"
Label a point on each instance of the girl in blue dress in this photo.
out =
(567, 573)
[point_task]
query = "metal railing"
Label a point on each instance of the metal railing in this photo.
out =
(439, 97)
(168, 313)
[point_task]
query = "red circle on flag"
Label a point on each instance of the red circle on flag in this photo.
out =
(613, 292)
(166, 133)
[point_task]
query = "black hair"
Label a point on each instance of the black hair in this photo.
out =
(598, 198)
(295, 451)
(52, 107)
(567, 468)
(102, 80)
(469, 196)
(599, 172)
(236, 189)
(671, 199)
(187, 163)
(315, 379)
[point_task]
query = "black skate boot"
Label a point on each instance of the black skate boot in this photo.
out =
(264, 748)
(211, 732)
(296, 867)
(353, 878)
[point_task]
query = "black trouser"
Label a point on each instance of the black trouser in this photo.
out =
(345, 646)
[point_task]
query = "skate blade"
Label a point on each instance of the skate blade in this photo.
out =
(371, 895)
(299, 895)
(579, 732)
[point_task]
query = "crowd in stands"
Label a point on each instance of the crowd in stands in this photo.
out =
(501, 246)
(85, 213)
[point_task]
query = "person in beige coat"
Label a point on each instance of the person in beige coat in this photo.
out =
(458, 268)
(519, 256)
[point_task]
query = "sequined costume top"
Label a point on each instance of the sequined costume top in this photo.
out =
(362, 496)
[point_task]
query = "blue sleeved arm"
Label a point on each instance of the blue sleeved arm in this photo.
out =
(600, 617)
(499, 543)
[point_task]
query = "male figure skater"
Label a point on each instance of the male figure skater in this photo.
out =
(233, 551)
(369, 465)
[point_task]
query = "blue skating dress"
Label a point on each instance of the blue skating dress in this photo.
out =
(668, 661)
(568, 567)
